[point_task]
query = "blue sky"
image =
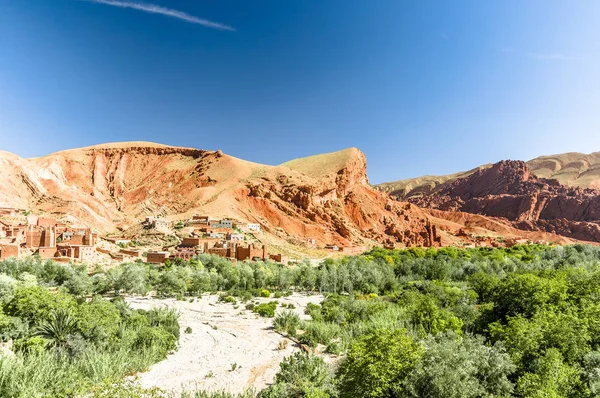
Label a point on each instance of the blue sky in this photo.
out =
(422, 87)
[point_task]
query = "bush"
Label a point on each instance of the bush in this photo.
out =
(377, 364)
(461, 367)
(30, 345)
(314, 310)
(250, 306)
(99, 319)
(320, 332)
(266, 309)
(166, 318)
(300, 375)
(155, 338)
(265, 293)
(8, 286)
(35, 303)
(287, 322)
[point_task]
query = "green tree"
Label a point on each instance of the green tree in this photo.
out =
(460, 367)
(8, 286)
(130, 278)
(99, 319)
(525, 294)
(377, 364)
(552, 378)
(35, 304)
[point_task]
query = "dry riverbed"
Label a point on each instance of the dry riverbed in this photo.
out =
(229, 349)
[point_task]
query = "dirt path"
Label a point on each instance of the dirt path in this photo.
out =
(229, 349)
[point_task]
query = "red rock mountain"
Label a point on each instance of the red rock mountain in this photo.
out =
(509, 190)
(571, 169)
(324, 197)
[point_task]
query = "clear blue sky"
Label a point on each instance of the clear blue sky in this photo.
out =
(422, 87)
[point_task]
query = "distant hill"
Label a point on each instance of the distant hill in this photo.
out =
(554, 194)
(571, 169)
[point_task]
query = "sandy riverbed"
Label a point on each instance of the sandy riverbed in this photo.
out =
(221, 337)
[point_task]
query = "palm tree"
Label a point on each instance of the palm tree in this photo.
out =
(57, 327)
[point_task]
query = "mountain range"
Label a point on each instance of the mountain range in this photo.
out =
(326, 198)
(557, 194)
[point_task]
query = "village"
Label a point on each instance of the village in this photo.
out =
(22, 234)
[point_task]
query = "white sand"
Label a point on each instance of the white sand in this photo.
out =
(221, 336)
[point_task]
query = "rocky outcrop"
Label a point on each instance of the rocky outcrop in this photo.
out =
(509, 190)
(324, 198)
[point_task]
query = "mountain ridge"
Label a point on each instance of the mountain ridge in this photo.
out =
(570, 168)
(323, 198)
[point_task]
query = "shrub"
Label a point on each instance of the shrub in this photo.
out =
(288, 322)
(35, 303)
(245, 295)
(152, 337)
(461, 367)
(300, 375)
(314, 310)
(300, 368)
(188, 330)
(57, 328)
(319, 332)
(99, 319)
(8, 286)
(377, 364)
(30, 345)
(166, 318)
(12, 328)
(250, 306)
(266, 309)
(265, 293)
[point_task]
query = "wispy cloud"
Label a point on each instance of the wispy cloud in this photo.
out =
(155, 9)
(541, 56)
(551, 56)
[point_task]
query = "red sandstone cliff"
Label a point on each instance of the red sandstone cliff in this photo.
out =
(325, 197)
(509, 190)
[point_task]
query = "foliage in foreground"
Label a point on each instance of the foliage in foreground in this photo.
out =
(522, 322)
(66, 347)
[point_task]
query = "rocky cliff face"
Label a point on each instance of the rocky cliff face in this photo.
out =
(331, 192)
(324, 197)
(570, 169)
(509, 190)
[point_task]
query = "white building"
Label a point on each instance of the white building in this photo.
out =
(253, 227)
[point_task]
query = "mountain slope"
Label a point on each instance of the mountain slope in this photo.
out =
(324, 197)
(570, 169)
(116, 185)
(419, 186)
(510, 190)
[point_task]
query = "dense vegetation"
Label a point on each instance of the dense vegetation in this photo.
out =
(449, 322)
(65, 345)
